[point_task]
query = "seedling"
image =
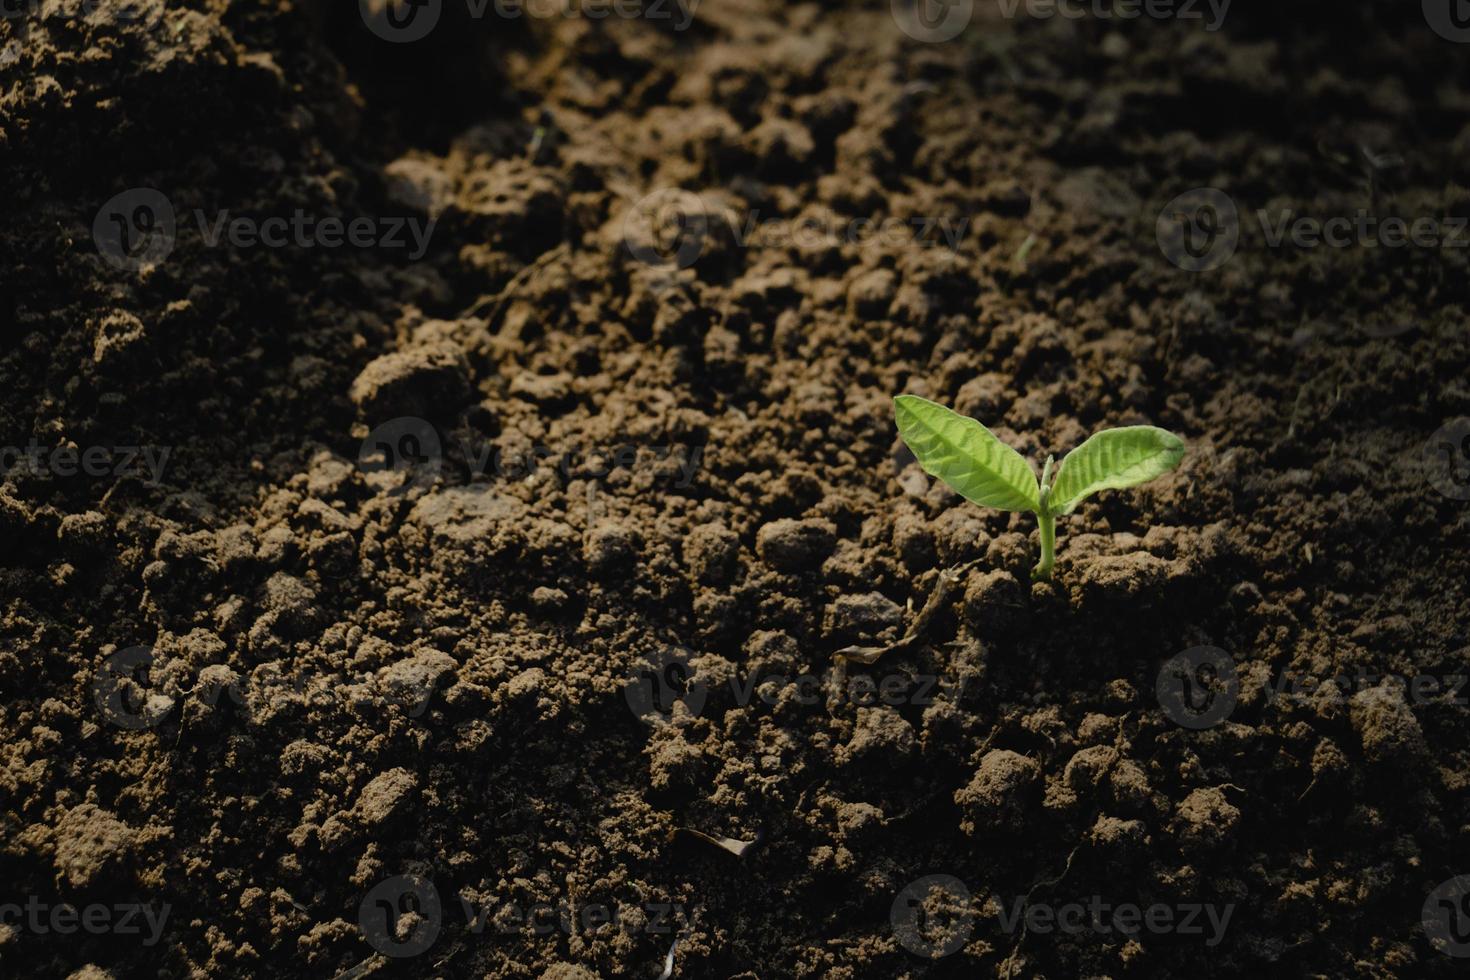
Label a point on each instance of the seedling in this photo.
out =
(985, 471)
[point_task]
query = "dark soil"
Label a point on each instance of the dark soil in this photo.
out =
(358, 672)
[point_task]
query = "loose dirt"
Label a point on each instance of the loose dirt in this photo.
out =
(653, 442)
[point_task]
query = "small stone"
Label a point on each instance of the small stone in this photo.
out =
(1119, 840)
(420, 381)
(1000, 792)
(793, 546)
(1130, 785)
(412, 682)
(712, 552)
(882, 736)
(418, 184)
(1123, 576)
(866, 616)
(1088, 767)
(527, 685)
(1205, 818)
(609, 547)
(385, 797)
(91, 972)
(544, 389)
(858, 822)
(546, 599)
(914, 542)
(567, 971)
(871, 293)
(90, 841)
(994, 601)
(1385, 723)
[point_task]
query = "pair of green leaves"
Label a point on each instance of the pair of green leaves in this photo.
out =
(982, 469)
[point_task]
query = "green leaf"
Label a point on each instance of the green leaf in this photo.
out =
(966, 455)
(1111, 460)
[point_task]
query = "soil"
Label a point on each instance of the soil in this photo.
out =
(292, 669)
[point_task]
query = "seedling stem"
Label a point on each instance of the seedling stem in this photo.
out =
(1048, 524)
